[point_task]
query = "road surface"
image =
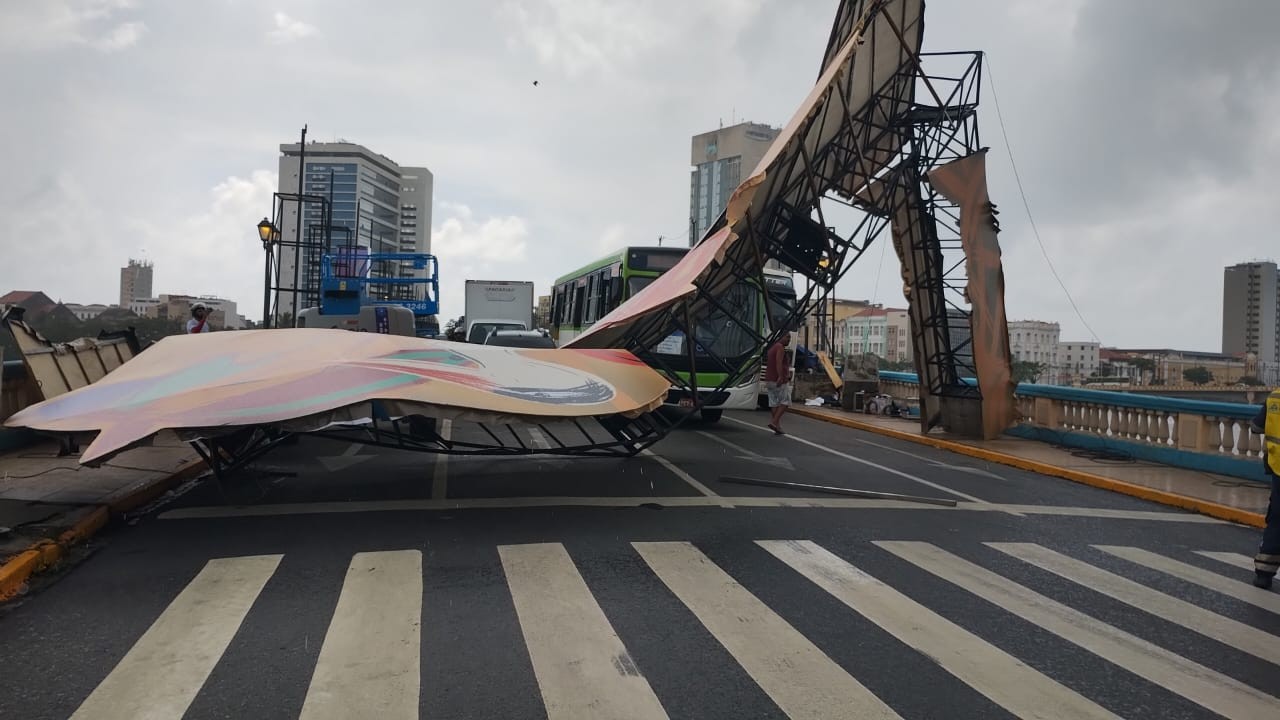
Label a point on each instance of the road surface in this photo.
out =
(341, 582)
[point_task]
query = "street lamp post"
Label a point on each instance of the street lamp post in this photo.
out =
(269, 234)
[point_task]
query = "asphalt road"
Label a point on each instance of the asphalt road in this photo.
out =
(337, 582)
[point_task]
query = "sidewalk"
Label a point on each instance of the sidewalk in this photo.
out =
(48, 503)
(1219, 496)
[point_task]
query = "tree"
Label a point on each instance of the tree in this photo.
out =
(1198, 375)
(1027, 371)
(1250, 380)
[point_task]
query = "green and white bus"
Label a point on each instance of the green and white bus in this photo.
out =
(591, 292)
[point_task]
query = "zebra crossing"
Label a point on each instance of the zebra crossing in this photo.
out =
(370, 662)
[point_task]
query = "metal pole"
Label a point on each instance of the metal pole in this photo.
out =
(266, 285)
(297, 228)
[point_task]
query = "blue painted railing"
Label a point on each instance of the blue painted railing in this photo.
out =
(1106, 420)
(1144, 401)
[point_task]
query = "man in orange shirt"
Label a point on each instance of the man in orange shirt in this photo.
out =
(777, 375)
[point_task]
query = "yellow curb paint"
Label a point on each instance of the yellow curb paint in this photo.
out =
(1204, 507)
(43, 554)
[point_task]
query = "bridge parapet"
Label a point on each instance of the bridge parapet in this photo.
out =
(1209, 436)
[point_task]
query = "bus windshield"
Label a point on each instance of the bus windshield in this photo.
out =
(717, 334)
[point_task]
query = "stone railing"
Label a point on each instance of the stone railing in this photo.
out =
(1210, 436)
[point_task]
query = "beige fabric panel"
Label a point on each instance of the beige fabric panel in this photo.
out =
(964, 182)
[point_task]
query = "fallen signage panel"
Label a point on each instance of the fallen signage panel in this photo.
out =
(306, 380)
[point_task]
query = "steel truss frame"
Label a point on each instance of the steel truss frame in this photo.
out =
(891, 141)
(230, 453)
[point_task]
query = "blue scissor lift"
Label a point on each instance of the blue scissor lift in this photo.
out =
(347, 283)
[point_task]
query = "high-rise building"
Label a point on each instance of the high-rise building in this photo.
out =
(135, 281)
(381, 206)
(721, 160)
(1251, 312)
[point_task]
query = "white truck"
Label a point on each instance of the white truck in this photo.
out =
(497, 305)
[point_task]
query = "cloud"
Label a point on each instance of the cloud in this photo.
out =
(469, 248)
(288, 29)
(579, 36)
(214, 251)
(1146, 164)
(124, 35)
(55, 24)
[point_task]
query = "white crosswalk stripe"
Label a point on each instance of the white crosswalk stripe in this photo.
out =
(802, 680)
(1238, 589)
(161, 674)
(991, 671)
(369, 663)
(1244, 562)
(371, 659)
(1215, 691)
(1207, 623)
(583, 669)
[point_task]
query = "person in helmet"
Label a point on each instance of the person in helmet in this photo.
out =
(199, 322)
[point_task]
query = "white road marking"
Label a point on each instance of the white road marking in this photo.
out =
(815, 503)
(1002, 678)
(1207, 688)
(369, 664)
(680, 473)
(583, 669)
(1244, 562)
(349, 457)
(779, 462)
(165, 669)
(1242, 591)
(868, 463)
(1193, 617)
(440, 479)
(799, 677)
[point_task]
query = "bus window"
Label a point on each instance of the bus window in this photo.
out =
(603, 305)
(589, 315)
(579, 304)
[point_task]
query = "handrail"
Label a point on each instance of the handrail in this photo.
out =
(1143, 401)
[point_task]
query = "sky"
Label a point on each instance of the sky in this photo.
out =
(1144, 135)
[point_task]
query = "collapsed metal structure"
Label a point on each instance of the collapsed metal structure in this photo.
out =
(886, 139)
(854, 161)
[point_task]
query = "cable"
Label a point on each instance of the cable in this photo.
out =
(1026, 204)
(875, 294)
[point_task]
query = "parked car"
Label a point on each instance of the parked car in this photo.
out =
(536, 339)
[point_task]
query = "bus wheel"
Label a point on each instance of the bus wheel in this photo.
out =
(762, 402)
(712, 415)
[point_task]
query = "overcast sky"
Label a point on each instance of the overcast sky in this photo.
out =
(1144, 132)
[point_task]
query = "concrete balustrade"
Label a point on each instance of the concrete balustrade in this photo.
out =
(1209, 436)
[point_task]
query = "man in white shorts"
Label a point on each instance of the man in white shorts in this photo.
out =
(777, 376)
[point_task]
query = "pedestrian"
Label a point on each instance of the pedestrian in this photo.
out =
(1267, 423)
(777, 375)
(199, 322)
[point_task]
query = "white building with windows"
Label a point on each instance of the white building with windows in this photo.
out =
(1077, 361)
(1035, 341)
(864, 333)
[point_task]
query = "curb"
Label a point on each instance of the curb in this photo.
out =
(44, 554)
(1164, 497)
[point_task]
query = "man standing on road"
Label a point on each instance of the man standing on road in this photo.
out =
(777, 375)
(1267, 561)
